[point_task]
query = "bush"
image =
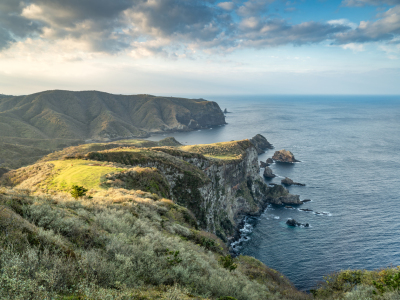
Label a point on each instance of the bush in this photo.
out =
(227, 262)
(78, 191)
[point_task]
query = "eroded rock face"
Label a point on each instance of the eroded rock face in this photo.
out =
(288, 181)
(261, 143)
(284, 156)
(268, 173)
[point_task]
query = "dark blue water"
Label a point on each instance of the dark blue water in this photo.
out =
(349, 148)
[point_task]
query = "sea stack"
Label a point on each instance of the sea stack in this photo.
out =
(268, 173)
(284, 156)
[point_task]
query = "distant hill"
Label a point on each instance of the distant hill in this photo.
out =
(52, 120)
(101, 116)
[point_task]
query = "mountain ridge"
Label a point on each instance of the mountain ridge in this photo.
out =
(88, 116)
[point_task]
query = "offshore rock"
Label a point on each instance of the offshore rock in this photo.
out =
(268, 173)
(261, 143)
(288, 181)
(294, 223)
(263, 164)
(279, 195)
(284, 156)
(270, 161)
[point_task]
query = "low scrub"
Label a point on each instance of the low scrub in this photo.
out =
(360, 284)
(56, 247)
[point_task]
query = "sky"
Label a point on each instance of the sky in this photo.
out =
(201, 47)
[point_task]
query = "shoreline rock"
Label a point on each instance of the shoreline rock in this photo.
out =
(268, 173)
(294, 223)
(284, 156)
(280, 195)
(289, 182)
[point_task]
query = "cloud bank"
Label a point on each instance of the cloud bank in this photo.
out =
(179, 27)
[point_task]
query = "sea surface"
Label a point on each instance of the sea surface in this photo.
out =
(349, 148)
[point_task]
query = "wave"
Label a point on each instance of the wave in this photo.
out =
(322, 213)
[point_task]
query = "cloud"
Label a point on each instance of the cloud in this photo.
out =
(262, 33)
(360, 3)
(178, 28)
(386, 28)
(227, 5)
(253, 7)
(354, 47)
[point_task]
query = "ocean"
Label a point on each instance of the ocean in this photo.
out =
(349, 148)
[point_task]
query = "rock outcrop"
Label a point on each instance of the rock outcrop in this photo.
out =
(284, 156)
(268, 173)
(218, 191)
(279, 195)
(261, 143)
(289, 182)
(269, 161)
(294, 223)
(220, 183)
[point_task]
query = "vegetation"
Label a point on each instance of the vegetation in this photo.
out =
(34, 125)
(227, 262)
(118, 236)
(78, 191)
(360, 284)
(227, 150)
(55, 247)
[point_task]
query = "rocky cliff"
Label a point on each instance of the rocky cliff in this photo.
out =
(219, 183)
(218, 191)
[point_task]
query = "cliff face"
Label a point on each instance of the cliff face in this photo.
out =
(218, 191)
(218, 182)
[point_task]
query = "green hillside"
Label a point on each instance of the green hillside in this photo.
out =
(52, 120)
(139, 231)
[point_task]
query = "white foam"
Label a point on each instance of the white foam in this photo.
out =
(277, 218)
(323, 213)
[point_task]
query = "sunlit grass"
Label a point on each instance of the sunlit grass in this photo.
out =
(79, 172)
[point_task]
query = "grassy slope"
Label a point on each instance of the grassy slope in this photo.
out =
(92, 115)
(14, 155)
(78, 172)
(140, 248)
(225, 150)
(65, 227)
(52, 120)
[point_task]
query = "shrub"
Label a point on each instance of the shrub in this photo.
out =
(78, 191)
(227, 262)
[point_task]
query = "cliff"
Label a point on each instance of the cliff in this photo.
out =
(219, 183)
